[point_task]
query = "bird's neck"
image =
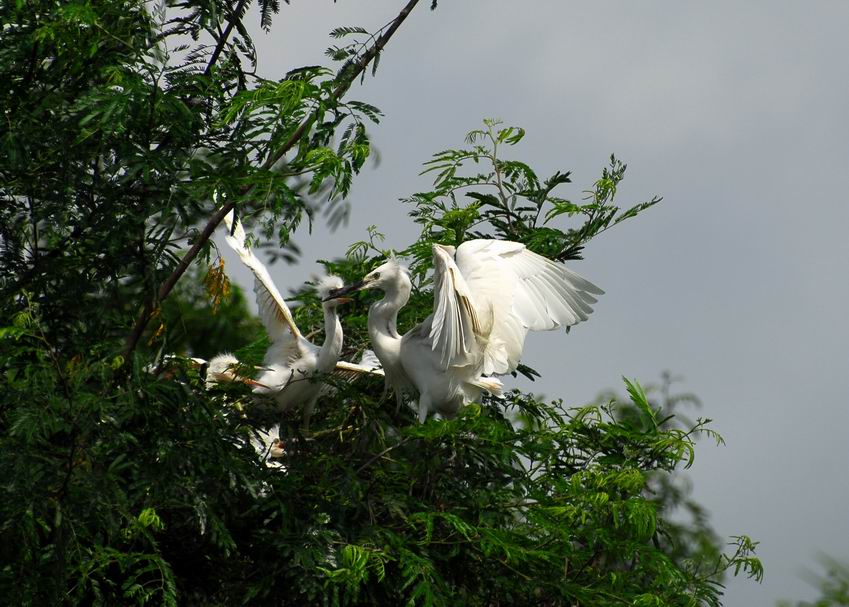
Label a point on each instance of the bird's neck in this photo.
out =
(383, 324)
(332, 346)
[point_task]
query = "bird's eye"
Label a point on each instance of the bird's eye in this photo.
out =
(376, 275)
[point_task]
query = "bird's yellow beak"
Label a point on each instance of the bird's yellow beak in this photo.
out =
(343, 291)
(254, 383)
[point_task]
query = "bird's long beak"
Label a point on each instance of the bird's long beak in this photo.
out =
(343, 291)
(253, 382)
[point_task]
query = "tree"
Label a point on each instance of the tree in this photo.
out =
(129, 133)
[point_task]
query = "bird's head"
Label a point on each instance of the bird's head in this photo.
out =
(221, 368)
(327, 285)
(388, 276)
(224, 368)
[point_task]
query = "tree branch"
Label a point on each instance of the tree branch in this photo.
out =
(377, 456)
(218, 216)
(225, 35)
(358, 67)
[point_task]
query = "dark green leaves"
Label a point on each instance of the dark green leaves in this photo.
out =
(510, 200)
(341, 32)
(123, 122)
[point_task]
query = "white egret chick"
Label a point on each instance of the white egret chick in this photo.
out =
(487, 295)
(291, 361)
(269, 447)
(223, 368)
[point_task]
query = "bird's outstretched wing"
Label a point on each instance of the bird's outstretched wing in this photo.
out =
(368, 365)
(516, 291)
(273, 311)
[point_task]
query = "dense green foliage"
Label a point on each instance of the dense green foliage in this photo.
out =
(198, 324)
(124, 486)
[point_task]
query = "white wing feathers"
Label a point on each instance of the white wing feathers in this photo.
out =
(513, 289)
(273, 311)
(456, 328)
(549, 295)
(368, 365)
(351, 371)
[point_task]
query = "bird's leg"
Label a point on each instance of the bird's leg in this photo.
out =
(385, 394)
(287, 434)
(424, 406)
(308, 411)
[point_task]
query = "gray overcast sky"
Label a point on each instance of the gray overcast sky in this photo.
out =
(736, 113)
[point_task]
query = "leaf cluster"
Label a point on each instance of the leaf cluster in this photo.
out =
(517, 501)
(832, 582)
(479, 194)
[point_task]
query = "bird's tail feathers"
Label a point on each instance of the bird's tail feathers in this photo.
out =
(492, 385)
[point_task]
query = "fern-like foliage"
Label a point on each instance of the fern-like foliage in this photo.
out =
(510, 199)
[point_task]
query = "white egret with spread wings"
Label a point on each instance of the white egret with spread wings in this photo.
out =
(487, 295)
(292, 362)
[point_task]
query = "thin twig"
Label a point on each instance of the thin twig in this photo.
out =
(382, 453)
(499, 184)
(222, 39)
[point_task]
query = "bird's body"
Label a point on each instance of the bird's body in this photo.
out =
(460, 384)
(291, 362)
(487, 295)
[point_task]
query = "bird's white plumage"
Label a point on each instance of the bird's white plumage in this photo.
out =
(273, 311)
(221, 368)
(513, 290)
(456, 326)
(269, 447)
(291, 361)
(487, 295)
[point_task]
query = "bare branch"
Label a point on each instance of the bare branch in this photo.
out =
(222, 39)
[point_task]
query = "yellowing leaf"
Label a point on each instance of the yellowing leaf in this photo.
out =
(217, 284)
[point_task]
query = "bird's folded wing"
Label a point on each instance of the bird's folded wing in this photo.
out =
(456, 328)
(526, 292)
(273, 311)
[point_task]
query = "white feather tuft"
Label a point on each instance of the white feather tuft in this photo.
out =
(326, 284)
(221, 369)
(394, 262)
